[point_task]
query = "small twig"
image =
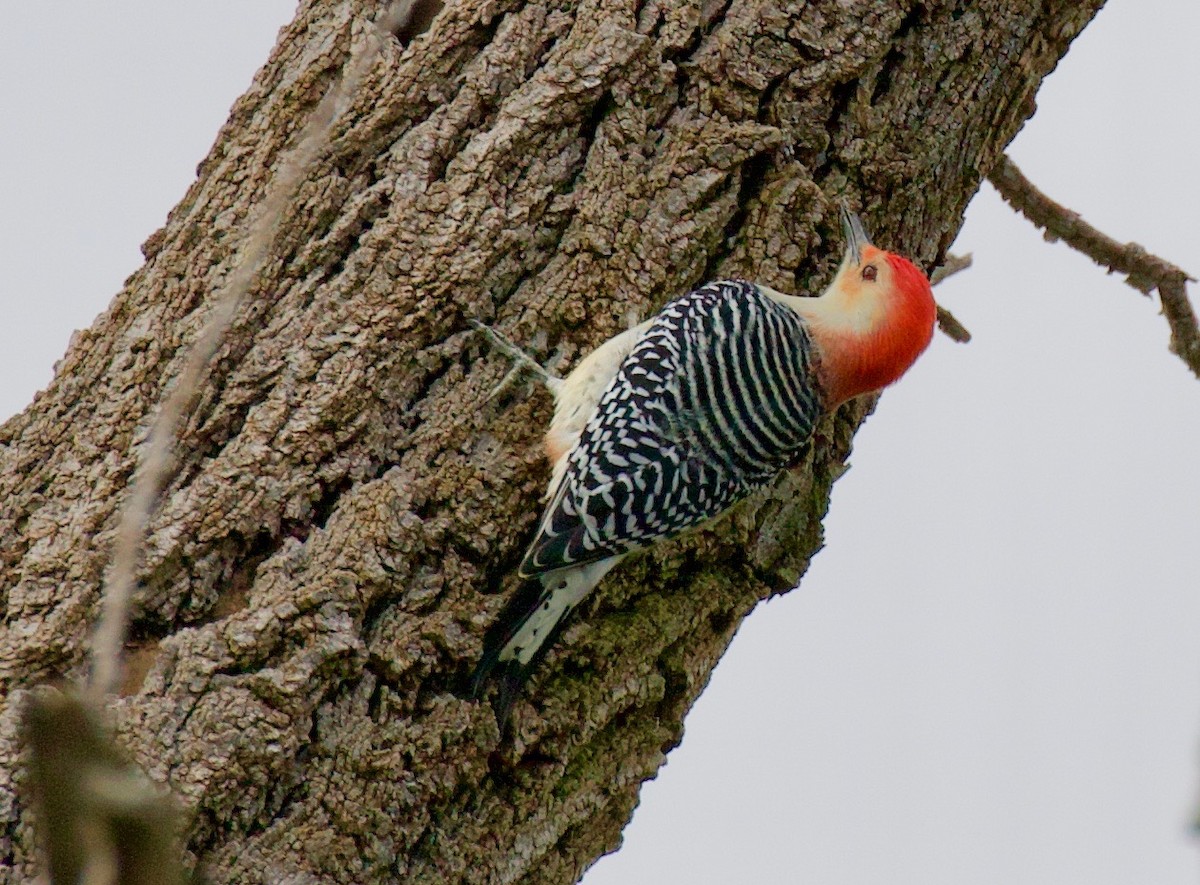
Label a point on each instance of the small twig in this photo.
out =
(950, 327)
(951, 265)
(157, 465)
(1143, 271)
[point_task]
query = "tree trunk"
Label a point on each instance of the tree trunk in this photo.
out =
(351, 505)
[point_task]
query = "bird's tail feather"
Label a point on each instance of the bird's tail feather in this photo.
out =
(514, 613)
(527, 628)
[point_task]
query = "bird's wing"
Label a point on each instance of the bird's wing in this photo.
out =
(716, 399)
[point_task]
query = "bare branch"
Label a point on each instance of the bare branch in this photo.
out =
(951, 265)
(1143, 271)
(949, 326)
(157, 465)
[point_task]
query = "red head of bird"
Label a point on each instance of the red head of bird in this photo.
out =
(872, 322)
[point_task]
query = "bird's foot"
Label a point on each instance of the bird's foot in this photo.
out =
(523, 361)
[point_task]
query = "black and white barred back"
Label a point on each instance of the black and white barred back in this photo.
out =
(716, 399)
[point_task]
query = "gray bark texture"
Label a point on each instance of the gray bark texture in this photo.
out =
(350, 505)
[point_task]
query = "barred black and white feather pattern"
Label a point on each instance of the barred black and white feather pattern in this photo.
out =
(717, 398)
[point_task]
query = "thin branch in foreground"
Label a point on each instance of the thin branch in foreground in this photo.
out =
(1143, 271)
(157, 464)
(101, 820)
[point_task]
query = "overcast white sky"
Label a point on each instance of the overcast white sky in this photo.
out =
(991, 674)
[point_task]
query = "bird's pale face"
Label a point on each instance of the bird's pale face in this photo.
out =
(863, 289)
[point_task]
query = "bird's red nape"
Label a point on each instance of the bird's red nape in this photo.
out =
(916, 310)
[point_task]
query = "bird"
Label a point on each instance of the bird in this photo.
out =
(673, 421)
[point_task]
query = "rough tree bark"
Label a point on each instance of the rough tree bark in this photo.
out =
(351, 505)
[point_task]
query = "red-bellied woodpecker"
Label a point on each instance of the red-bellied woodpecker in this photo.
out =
(672, 422)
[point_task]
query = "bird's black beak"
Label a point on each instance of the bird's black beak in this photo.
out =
(856, 235)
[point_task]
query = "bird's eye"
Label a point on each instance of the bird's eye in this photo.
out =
(869, 273)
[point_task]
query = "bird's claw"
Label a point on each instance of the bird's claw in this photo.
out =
(522, 360)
